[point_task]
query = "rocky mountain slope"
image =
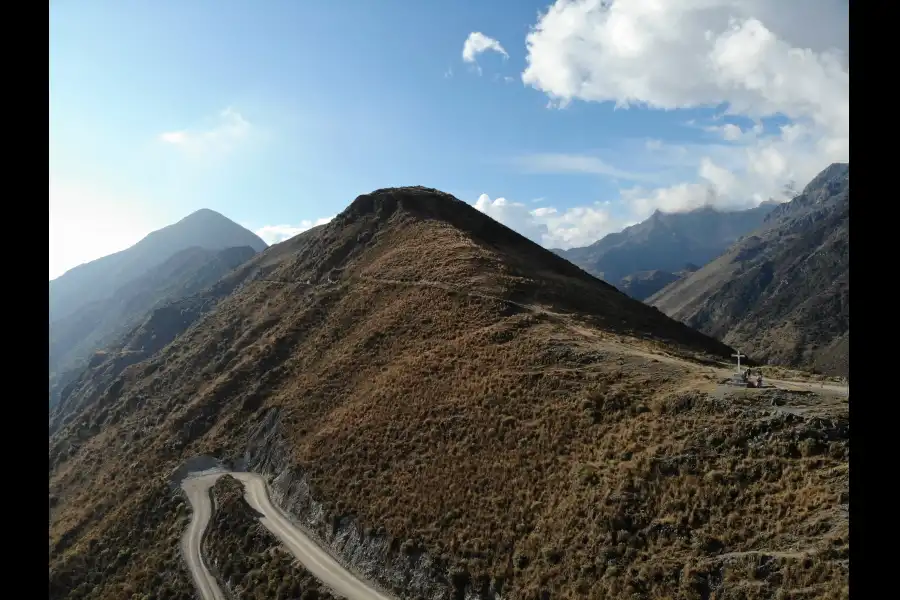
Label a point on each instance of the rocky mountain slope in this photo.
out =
(663, 244)
(644, 284)
(247, 558)
(94, 326)
(782, 294)
(101, 278)
(454, 412)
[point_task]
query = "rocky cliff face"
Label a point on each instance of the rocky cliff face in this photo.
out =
(782, 294)
(398, 566)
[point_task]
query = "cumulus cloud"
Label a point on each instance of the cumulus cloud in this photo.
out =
(219, 135)
(729, 131)
(756, 58)
(693, 53)
(273, 234)
(478, 43)
(549, 226)
(743, 173)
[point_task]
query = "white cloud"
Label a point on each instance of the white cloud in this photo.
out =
(273, 234)
(577, 163)
(693, 53)
(731, 176)
(731, 132)
(758, 58)
(543, 212)
(736, 176)
(477, 43)
(175, 137)
(549, 226)
(220, 135)
(676, 198)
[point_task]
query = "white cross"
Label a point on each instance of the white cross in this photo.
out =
(739, 356)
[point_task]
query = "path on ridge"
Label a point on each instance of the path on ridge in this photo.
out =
(721, 371)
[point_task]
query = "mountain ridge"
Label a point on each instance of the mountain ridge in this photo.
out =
(98, 324)
(429, 390)
(98, 279)
(782, 293)
(665, 242)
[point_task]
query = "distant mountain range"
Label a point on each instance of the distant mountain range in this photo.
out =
(99, 279)
(644, 284)
(642, 259)
(93, 304)
(782, 294)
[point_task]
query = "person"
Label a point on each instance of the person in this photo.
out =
(759, 378)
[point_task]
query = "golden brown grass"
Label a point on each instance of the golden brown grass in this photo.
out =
(134, 553)
(247, 557)
(512, 423)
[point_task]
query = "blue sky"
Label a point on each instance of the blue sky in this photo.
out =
(279, 113)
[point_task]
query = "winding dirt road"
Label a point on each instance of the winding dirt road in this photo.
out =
(318, 562)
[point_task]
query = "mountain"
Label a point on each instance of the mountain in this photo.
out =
(98, 324)
(782, 294)
(644, 284)
(664, 243)
(450, 410)
(99, 279)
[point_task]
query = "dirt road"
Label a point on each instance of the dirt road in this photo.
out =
(318, 562)
(197, 490)
(812, 386)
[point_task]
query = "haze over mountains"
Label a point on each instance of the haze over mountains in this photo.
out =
(94, 304)
(642, 259)
(782, 294)
(100, 278)
(450, 409)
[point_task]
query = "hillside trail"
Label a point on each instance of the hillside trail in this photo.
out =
(769, 382)
(634, 347)
(794, 554)
(317, 561)
(457, 290)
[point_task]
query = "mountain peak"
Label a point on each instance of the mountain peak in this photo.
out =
(666, 241)
(205, 212)
(208, 229)
(419, 201)
(421, 236)
(100, 278)
(833, 172)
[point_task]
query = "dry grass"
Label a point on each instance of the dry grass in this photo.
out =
(511, 422)
(134, 553)
(248, 558)
(778, 372)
